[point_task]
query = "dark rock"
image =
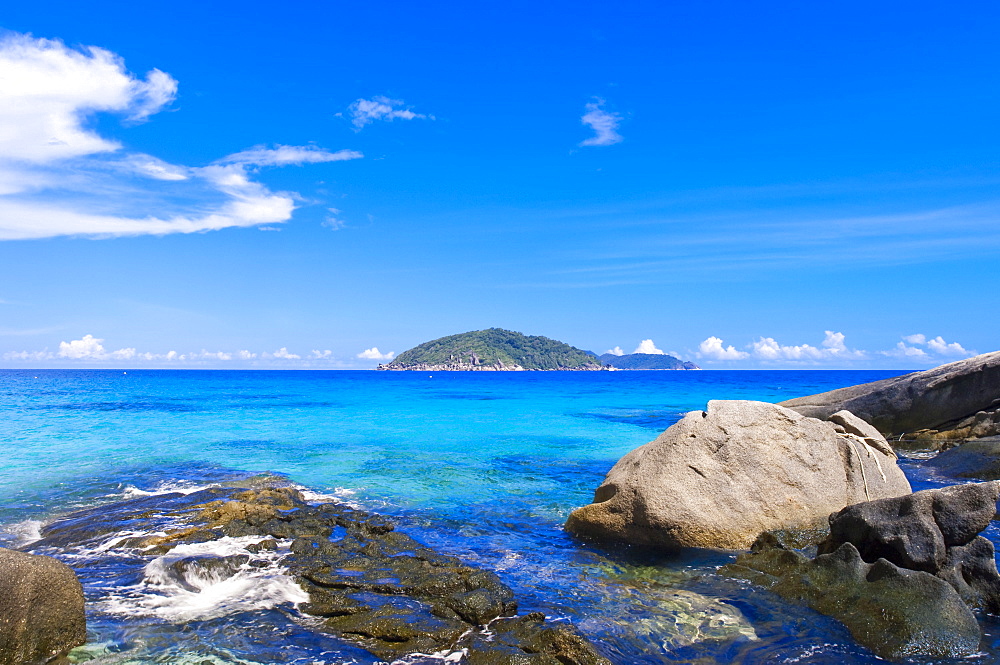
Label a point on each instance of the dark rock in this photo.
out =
(41, 608)
(367, 582)
(893, 611)
(942, 399)
(915, 531)
(976, 459)
(972, 570)
(189, 571)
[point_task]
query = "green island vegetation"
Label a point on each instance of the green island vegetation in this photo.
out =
(646, 361)
(496, 349)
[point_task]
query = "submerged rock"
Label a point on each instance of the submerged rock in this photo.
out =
(41, 608)
(903, 574)
(978, 459)
(893, 611)
(954, 401)
(720, 477)
(366, 582)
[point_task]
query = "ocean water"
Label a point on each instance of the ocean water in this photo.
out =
(484, 466)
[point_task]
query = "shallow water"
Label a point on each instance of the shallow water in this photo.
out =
(485, 466)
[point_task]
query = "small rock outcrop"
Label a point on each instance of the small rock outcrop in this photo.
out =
(903, 574)
(892, 611)
(41, 608)
(935, 531)
(960, 400)
(718, 478)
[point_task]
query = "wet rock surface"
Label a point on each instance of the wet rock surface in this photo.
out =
(366, 582)
(41, 608)
(978, 459)
(904, 574)
(935, 531)
(893, 611)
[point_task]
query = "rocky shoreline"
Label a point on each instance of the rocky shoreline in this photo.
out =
(363, 581)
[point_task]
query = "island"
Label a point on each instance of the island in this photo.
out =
(494, 350)
(645, 361)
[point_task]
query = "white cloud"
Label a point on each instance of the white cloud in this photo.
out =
(647, 346)
(87, 347)
(49, 90)
(282, 155)
(367, 111)
(767, 348)
(904, 351)
(941, 347)
(245, 355)
(937, 346)
(285, 355)
(321, 355)
(617, 351)
(374, 354)
(59, 176)
(604, 124)
(712, 349)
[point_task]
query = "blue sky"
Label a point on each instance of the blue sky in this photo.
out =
(778, 185)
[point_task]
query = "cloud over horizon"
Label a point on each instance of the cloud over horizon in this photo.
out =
(374, 354)
(832, 351)
(59, 176)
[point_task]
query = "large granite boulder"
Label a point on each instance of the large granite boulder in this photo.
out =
(720, 477)
(957, 400)
(935, 531)
(41, 608)
(893, 611)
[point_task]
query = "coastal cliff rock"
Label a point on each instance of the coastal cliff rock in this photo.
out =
(718, 478)
(960, 400)
(904, 574)
(41, 608)
(352, 572)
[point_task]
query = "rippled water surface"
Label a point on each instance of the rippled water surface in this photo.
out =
(485, 466)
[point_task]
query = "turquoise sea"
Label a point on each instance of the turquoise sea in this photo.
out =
(485, 466)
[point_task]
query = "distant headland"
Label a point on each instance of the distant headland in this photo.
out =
(499, 350)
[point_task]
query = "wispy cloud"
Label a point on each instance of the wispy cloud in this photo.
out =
(604, 123)
(283, 155)
(59, 176)
(366, 111)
